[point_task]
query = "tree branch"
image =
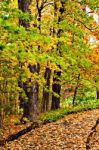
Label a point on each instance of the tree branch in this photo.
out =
(91, 29)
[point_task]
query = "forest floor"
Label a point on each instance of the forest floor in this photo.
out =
(79, 131)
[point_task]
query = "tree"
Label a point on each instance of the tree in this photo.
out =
(30, 108)
(56, 87)
(41, 40)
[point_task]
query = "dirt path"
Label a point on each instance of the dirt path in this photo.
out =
(69, 133)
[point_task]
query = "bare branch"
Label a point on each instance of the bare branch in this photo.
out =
(91, 29)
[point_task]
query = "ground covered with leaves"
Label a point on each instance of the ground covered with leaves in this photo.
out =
(79, 131)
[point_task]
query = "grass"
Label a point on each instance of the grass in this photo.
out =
(53, 116)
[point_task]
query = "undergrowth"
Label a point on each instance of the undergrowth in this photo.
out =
(54, 115)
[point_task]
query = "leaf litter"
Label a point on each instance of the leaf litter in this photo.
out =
(68, 133)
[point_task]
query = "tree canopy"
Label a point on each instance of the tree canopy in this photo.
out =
(44, 46)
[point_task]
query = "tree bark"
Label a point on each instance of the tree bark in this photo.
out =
(33, 101)
(45, 101)
(56, 87)
(97, 94)
(33, 95)
(76, 89)
(30, 108)
(24, 104)
(2, 116)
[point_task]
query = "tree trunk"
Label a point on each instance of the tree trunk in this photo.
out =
(33, 101)
(45, 102)
(76, 89)
(23, 5)
(56, 87)
(45, 99)
(24, 104)
(97, 94)
(2, 116)
(30, 108)
(75, 94)
(33, 95)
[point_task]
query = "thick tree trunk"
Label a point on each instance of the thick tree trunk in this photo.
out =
(30, 108)
(33, 101)
(45, 101)
(33, 95)
(23, 5)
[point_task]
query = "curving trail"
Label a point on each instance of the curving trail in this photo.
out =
(69, 133)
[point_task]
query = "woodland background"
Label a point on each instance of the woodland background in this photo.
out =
(47, 59)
